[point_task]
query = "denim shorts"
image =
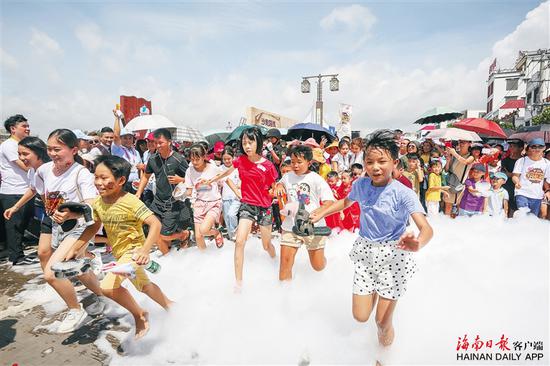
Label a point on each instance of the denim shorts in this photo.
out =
(262, 215)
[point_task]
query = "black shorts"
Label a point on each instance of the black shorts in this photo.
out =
(174, 217)
(46, 225)
(262, 215)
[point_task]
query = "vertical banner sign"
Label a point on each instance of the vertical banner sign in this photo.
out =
(132, 107)
(344, 128)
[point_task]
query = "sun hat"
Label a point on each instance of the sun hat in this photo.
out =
(318, 155)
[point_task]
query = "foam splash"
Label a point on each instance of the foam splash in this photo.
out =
(478, 275)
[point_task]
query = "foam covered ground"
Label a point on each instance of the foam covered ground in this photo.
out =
(480, 276)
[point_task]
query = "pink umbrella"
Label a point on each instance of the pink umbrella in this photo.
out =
(481, 126)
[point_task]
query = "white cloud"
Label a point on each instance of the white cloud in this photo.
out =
(531, 34)
(356, 18)
(7, 60)
(43, 43)
(89, 36)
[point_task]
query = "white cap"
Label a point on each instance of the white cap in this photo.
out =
(82, 136)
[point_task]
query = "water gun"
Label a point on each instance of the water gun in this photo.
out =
(304, 227)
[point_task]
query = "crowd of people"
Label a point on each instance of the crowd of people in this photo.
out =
(155, 193)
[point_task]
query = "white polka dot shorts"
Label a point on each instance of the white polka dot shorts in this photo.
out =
(381, 267)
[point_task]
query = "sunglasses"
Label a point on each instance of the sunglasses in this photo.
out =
(94, 142)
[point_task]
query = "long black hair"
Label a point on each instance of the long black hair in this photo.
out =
(255, 134)
(37, 146)
(67, 138)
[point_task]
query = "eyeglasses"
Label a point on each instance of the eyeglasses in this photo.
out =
(94, 142)
(536, 147)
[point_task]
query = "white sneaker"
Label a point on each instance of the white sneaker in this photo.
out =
(72, 321)
(96, 307)
(96, 265)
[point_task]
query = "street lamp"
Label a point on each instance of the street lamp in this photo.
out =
(334, 86)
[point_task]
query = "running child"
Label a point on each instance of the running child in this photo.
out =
(65, 180)
(207, 207)
(382, 253)
(258, 176)
(231, 194)
(123, 216)
(334, 221)
(302, 186)
(350, 218)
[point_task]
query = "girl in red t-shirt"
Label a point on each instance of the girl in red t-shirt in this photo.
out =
(350, 221)
(258, 176)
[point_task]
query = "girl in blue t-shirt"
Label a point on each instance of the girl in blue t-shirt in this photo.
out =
(382, 252)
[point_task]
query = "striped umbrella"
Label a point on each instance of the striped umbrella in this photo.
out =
(190, 134)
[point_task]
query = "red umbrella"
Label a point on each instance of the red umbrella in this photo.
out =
(481, 126)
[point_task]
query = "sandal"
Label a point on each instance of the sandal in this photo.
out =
(184, 240)
(219, 240)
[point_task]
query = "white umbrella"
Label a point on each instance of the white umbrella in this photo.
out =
(149, 122)
(190, 134)
(453, 134)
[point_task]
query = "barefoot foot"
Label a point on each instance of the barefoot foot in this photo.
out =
(385, 337)
(142, 325)
(271, 250)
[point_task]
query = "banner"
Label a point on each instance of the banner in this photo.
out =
(255, 116)
(344, 128)
(132, 107)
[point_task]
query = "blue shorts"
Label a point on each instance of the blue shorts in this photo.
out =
(533, 204)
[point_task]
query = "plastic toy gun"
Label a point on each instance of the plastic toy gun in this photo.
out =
(79, 208)
(304, 227)
(71, 268)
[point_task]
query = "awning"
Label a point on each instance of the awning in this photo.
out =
(514, 104)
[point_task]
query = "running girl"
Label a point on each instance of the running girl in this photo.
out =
(258, 176)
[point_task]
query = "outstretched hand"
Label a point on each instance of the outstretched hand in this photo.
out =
(409, 242)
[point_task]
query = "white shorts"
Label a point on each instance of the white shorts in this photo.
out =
(381, 267)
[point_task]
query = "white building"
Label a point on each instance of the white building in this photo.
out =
(535, 69)
(519, 93)
(473, 113)
(504, 86)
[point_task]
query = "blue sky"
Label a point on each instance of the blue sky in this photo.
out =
(64, 64)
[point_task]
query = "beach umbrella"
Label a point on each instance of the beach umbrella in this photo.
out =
(527, 133)
(454, 134)
(481, 126)
(438, 115)
(236, 133)
(149, 122)
(189, 134)
(303, 131)
(215, 137)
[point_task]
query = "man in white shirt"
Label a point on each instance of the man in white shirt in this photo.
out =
(123, 146)
(14, 183)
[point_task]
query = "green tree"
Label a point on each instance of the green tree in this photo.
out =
(542, 119)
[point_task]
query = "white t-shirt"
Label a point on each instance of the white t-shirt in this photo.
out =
(14, 179)
(131, 156)
(65, 185)
(344, 162)
(357, 158)
(227, 193)
(310, 188)
(495, 201)
(204, 192)
(532, 174)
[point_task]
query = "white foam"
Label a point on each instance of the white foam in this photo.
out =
(478, 275)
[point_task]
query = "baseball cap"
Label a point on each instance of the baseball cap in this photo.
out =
(536, 141)
(150, 136)
(500, 175)
(479, 167)
(219, 146)
(82, 136)
(124, 132)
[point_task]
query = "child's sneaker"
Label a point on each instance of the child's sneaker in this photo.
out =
(72, 320)
(96, 307)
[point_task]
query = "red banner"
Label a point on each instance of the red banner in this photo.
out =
(132, 107)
